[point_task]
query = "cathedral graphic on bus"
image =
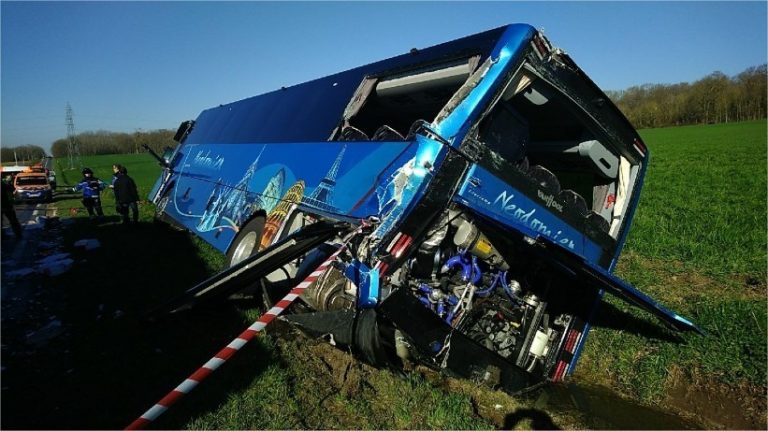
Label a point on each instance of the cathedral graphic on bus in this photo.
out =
(229, 206)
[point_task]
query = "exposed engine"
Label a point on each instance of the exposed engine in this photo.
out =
(467, 282)
(496, 299)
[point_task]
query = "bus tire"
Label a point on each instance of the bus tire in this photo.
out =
(246, 242)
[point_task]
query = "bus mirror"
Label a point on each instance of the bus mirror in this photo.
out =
(184, 128)
(167, 155)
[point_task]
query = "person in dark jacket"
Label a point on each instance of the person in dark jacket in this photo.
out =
(8, 211)
(126, 195)
(91, 187)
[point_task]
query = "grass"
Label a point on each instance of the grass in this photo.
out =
(698, 245)
(704, 200)
(141, 167)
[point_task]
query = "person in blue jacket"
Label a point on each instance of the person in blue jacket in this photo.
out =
(91, 187)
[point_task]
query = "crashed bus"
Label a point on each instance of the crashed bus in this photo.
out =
(482, 188)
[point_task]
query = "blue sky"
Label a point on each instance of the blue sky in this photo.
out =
(148, 65)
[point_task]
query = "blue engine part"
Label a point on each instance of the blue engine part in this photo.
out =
(367, 282)
(445, 304)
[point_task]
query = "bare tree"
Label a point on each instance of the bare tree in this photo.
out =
(713, 99)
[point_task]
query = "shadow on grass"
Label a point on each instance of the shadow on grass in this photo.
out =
(540, 420)
(110, 364)
(59, 196)
(608, 316)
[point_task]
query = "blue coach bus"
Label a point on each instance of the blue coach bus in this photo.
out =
(500, 182)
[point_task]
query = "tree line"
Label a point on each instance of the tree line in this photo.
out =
(104, 142)
(716, 98)
(94, 143)
(24, 153)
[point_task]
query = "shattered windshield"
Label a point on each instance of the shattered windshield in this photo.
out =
(548, 136)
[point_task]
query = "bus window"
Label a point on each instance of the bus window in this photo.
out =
(384, 108)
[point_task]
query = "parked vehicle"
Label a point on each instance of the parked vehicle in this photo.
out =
(50, 174)
(497, 181)
(32, 186)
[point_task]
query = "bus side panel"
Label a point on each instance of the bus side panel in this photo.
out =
(219, 187)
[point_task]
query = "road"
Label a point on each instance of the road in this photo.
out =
(20, 253)
(27, 213)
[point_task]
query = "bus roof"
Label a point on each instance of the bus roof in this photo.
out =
(310, 111)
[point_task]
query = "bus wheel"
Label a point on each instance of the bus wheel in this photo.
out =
(246, 242)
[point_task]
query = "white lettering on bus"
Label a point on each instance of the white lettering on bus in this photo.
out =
(504, 200)
(206, 161)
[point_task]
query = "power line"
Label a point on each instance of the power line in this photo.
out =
(72, 149)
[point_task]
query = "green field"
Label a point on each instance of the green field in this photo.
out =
(141, 167)
(698, 244)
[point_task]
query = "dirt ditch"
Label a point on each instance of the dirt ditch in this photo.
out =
(328, 376)
(716, 405)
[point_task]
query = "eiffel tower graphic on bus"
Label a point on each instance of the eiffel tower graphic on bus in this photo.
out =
(322, 197)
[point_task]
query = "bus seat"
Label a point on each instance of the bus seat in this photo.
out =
(350, 133)
(386, 133)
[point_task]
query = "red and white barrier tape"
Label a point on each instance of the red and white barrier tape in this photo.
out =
(224, 354)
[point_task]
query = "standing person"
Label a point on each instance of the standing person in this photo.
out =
(8, 211)
(91, 187)
(126, 195)
(115, 171)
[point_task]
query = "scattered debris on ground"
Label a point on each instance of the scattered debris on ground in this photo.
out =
(29, 317)
(45, 334)
(48, 257)
(88, 244)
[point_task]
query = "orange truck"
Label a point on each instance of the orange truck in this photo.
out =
(49, 173)
(32, 186)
